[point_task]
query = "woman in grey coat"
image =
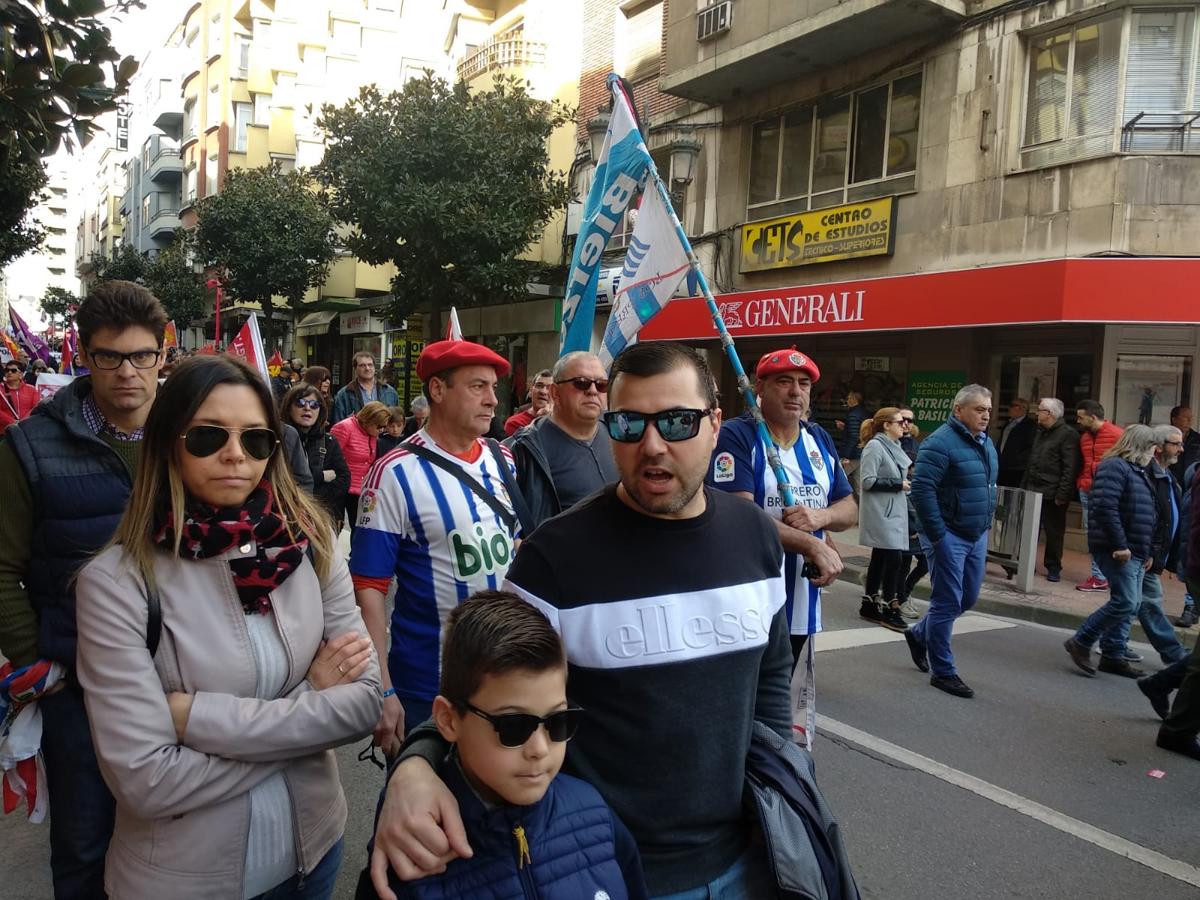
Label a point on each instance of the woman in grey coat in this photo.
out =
(883, 514)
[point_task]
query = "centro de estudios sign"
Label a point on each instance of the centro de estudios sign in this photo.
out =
(824, 235)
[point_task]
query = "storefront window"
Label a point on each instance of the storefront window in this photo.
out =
(1066, 377)
(1149, 386)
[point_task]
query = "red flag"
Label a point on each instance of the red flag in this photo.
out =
(275, 363)
(69, 345)
(170, 336)
(209, 349)
(249, 346)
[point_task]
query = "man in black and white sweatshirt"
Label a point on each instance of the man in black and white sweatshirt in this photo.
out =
(669, 598)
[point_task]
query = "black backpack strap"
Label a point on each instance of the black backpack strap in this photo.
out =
(520, 507)
(153, 618)
(434, 459)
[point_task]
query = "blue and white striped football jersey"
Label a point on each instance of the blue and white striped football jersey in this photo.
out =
(440, 540)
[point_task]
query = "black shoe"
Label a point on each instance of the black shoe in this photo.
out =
(1053, 576)
(1159, 698)
(951, 684)
(870, 610)
(920, 656)
(1080, 655)
(1188, 619)
(1121, 667)
(1179, 743)
(889, 617)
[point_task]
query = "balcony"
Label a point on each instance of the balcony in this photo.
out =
(165, 223)
(167, 112)
(501, 53)
(760, 48)
(166, 165)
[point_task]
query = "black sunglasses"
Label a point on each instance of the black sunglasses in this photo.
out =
(514, 729)
(906, 420)
(205, 440)
(307, 403)
(673, 424)
(582, 384)
(12, 371)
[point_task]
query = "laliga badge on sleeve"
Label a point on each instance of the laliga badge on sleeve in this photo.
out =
(723, 467)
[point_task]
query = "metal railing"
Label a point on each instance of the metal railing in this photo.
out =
(1175, 125)
(501, 53)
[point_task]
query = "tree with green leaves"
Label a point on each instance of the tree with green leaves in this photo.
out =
(126, 264)
(56, 59)
(170, 277)
(58, 305)
(449, 185)
(268, 234)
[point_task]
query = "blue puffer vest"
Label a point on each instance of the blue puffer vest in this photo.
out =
(1123, 512)
(954, 483)
(79, 487)
(573, 851)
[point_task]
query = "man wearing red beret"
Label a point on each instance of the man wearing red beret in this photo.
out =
(438, 513)
(824, 501)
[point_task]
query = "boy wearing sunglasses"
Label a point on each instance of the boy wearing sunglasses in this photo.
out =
(502, 705)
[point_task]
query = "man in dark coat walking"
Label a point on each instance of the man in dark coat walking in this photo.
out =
(1053, 464)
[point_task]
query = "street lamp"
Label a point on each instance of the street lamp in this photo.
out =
(597, 129)
(216, 283)
(684, 151)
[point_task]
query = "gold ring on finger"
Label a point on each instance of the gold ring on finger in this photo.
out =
(341, 668)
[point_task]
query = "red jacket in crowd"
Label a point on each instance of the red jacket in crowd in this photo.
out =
(1092, 448)
(359, 449)
(17, 405)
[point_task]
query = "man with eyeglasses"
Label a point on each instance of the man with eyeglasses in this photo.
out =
(17, 399)
(1051, 470)
(539, 404)
(565, 456)
(824, 502)
(65, 475)
(676, 639)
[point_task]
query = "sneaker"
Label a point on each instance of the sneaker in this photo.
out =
(890, 618)
(920, 656)
(1053, 576)
(870, 610)
(1131, 656)
(1092, 585)
(1188, 619)
(909, 611)
(951, 684)
(1122, 667)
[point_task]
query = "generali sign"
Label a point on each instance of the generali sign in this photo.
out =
(1152, 290)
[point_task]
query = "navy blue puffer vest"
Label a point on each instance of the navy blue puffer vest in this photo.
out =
(79, 487)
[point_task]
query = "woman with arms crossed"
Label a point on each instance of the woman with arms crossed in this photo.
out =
(214, 726)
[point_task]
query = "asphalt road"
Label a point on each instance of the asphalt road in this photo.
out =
(1038, 787)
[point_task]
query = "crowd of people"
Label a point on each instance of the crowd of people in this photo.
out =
(170, 572)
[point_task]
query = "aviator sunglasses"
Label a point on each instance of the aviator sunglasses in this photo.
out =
(514, 729)
(205, 440)
(673, 424)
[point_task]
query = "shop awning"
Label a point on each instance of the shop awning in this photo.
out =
(1096, 289)
(316, 323)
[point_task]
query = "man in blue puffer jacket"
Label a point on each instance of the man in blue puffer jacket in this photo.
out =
(954, 495)
(1122, 520)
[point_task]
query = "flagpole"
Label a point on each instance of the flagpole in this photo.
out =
(785, 490)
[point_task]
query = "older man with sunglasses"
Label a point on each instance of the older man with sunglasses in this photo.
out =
(65, 476)
(564, 457)
(676, 639)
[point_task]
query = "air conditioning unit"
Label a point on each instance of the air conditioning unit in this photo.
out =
(714, 20)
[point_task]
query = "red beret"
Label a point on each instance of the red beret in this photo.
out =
(442, 355)
(786, 360)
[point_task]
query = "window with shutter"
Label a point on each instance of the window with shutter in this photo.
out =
(641, 39)
(1158, 77)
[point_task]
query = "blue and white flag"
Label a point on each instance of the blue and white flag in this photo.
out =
(655, 263)
(620, 170)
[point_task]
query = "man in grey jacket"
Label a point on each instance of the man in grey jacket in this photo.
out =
(1051, 470)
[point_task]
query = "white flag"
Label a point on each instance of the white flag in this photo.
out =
(654, 265)
(453, 329)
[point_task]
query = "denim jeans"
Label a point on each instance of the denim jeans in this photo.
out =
(1158, 630)
(1085, 499)
(316, 885)
(81, 807)
(747, 879)
(956, 572)
(1124, 593)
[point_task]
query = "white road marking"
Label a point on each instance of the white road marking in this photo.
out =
(848, 638)
(1106, 840)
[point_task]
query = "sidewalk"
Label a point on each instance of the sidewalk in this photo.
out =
(1058, 604)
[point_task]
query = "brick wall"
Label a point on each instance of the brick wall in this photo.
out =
(598, 48)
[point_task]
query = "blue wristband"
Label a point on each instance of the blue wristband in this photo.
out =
(390, 692)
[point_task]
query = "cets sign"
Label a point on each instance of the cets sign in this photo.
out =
(842, 232)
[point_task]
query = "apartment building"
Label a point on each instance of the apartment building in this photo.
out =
(27, 278)
(99, 184)
(926, 193)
